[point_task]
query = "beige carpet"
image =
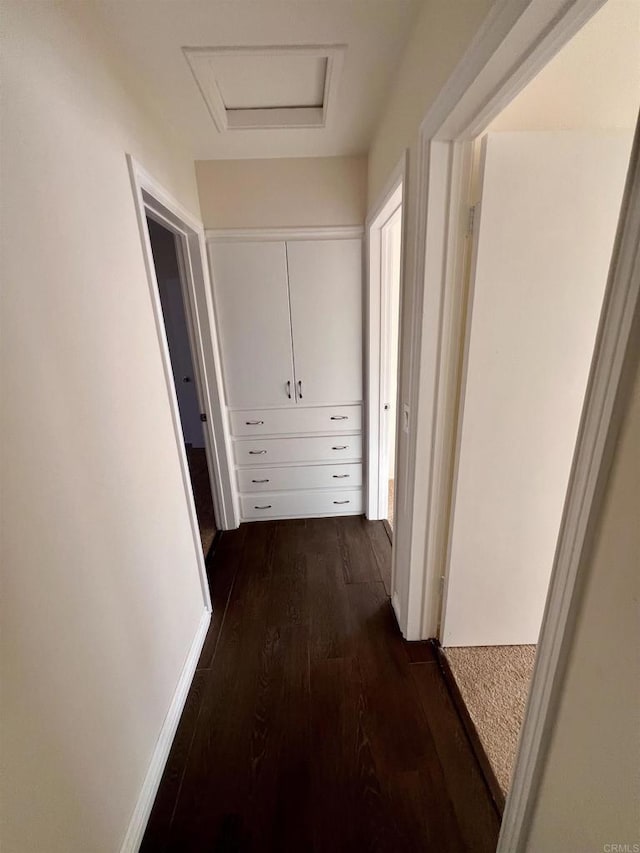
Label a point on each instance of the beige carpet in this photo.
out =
(494, 683)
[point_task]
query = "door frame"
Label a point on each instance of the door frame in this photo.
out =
(377, 334)
(151, 199)
(516, 41)
(387, 319)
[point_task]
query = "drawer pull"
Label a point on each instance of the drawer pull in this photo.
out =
(262, 481)
(339, 417)
(256, 452)
(339, 476)
(265, 506)
(342, 502)
(254, 423)
(340, 447)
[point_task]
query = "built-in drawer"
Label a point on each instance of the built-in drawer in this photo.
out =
(298, 420)
(300, 477)
(301, 504)
(275, 451)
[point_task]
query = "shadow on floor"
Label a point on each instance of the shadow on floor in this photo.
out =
(310, 723)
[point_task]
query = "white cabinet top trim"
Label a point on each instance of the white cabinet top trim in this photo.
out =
(339, 232)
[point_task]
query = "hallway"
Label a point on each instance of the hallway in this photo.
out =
(310, 724)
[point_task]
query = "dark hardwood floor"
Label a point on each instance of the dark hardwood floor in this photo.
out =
(310, 724)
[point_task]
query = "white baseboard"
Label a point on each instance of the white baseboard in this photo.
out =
(138, 823)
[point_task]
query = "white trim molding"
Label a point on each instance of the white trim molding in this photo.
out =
(239, 235)
(140, 816)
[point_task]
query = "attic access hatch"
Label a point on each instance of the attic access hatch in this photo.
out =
(257, 88)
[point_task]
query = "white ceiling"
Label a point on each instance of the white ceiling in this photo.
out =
(150, 37)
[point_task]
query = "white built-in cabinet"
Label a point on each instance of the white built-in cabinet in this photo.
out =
(325, 285)
(252, 302)
(289, 315)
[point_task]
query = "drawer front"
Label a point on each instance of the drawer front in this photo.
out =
(298, 420)
(300, 477)
(274, 451)
(301, 504)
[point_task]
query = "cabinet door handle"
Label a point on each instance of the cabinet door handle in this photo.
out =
(338, 447)
(342, 502)
(254, 423)
(340, 476)
(256, 452)
(260, 481)
(339, 417)
(264, 506)
(289, 388)
(300, 388)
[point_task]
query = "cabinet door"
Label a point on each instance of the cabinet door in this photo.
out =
(325, 284)
(252, 308)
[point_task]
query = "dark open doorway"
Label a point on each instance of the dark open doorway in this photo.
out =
(170, 287)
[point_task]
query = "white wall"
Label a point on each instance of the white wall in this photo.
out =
(553, 200)
(101, 596)
(440, 36)
(305, 191)
(593, 82)
(591, 784)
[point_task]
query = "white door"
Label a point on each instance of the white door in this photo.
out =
(547, 221)
(391, 261)
(252, 307)
(325, 282)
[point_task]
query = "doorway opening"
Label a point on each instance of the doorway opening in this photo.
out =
(545, 199)
(385, 245)
(171, 288)
(391, 255)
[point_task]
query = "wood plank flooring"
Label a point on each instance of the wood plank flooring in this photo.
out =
(311, 725)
